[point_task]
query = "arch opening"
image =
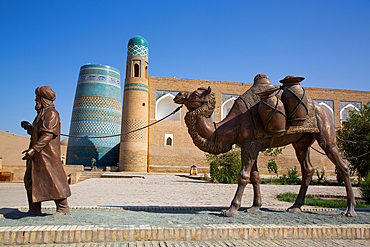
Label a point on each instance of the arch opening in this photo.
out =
(226, 107)
(164, 106)
(136, 70)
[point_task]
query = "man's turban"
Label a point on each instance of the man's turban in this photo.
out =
(46, 92)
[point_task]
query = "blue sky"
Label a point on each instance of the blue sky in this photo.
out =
(46, 43)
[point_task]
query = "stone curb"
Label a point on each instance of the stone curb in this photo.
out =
(181, 208)
(62, 234)
(87, 234)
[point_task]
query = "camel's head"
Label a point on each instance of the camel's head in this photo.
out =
(194, 100)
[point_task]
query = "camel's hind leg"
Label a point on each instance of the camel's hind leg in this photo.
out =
(303, 154)
(255, 181)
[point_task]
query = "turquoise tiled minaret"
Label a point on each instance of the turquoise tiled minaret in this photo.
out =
(96, 112)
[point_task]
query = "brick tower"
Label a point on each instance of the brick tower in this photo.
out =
(134, 147)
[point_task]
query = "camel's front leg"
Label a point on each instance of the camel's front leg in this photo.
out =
(249, 156)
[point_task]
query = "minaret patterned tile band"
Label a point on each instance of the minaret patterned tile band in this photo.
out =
(96, 112)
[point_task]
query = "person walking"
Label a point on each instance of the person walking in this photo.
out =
(93, 164)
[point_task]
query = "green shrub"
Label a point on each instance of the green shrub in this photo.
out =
(272, 167)
(224, 168)
(284, 180)
(293, 175)
(320, 202)
(273, 152)
(320, 175)
(365, 188)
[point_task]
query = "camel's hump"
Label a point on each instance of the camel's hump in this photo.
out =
(250, 98)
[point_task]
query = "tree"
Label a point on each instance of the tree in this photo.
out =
(224, 168)
(357, 129)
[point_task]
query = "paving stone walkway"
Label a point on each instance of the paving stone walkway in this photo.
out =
(162, 190)
(157, 196)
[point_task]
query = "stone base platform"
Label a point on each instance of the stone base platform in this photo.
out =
(131, 224)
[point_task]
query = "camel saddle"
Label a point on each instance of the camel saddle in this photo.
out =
(251, 101)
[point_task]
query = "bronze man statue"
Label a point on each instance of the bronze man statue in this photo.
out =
(45, 178)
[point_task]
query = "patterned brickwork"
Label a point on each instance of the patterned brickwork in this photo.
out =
(133, 124)
(94, 127)
(101, 102)
(96, 112)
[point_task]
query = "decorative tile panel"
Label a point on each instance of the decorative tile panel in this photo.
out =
(327, 102)
(137, 50)
(97, 102)
(96, 114)
(343, 104)
(103, 79)
(136, 87)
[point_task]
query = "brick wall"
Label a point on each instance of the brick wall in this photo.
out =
(183, 154)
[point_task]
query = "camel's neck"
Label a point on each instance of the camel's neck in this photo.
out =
(204, 133)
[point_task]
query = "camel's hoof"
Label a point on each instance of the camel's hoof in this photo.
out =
(348, 214)
(62, 213)
(253, 209)
(293, 210)
(229, 213)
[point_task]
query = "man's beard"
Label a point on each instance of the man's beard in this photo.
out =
(38, 106)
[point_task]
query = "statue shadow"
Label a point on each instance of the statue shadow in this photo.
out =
(192, 179)
(170, 210)
(244, 210)
(216, 211)
(16, 214)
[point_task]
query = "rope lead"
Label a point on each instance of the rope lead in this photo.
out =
(176, 110)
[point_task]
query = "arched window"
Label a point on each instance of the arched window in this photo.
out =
(164, 106)
(136, 70)
(226, 107)
(344, 114)
(168, 139)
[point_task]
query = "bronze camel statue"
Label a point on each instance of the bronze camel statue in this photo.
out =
(241, 127)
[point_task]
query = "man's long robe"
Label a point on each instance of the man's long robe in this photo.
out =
(45, 174)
